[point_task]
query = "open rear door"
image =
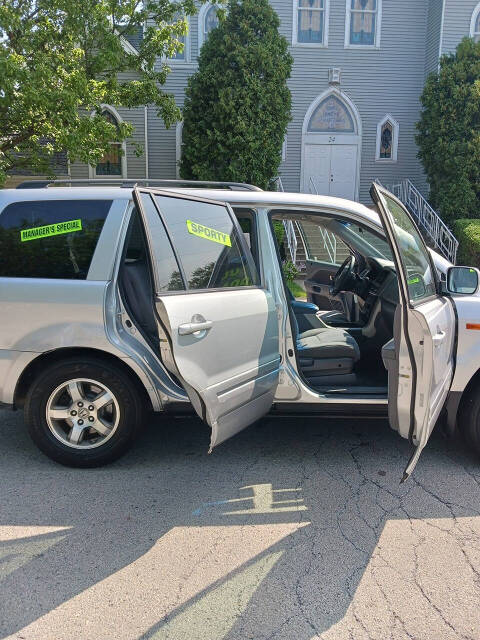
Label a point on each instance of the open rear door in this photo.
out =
(420, 359)
(218, 327)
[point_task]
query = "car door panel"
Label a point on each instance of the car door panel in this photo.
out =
(421, 360)
(318, 281)
(222, 344)
(234, 365)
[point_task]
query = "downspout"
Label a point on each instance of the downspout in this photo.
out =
(440, 47)
(146, 142)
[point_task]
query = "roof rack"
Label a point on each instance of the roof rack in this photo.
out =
(122, 182)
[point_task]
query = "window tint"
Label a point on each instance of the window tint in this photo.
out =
(167, 271)
(50, 239)
(415, 258)
(207, 244)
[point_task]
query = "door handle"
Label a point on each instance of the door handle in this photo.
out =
(193, 327)
(438, 338)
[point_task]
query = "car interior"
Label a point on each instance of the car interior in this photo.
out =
(352, 294)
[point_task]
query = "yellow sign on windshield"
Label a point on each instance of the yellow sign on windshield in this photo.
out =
(36, 233)
(207, 233)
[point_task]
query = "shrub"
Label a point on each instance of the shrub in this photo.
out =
(468, 234)
(290, 271)
(448, 133)
(237, 105)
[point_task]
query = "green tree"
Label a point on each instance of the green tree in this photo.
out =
(238, 104)
(449, 133)
(61, 59)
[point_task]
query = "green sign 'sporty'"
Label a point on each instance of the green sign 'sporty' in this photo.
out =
(207, 233)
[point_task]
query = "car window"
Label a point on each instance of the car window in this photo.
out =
(50, 238)
(247, 221)
(207, 244)
(414, 254)
(168, 275)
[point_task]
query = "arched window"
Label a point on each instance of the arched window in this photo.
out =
(387, 140)
(207, 21)
(114, 162)
(362, 27)
(475, 24)
(331, 116)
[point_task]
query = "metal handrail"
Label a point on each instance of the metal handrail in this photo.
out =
(329, 244)
(123, 182)
(311, 183)
(427, 218)
(279, 184)
(292, 241)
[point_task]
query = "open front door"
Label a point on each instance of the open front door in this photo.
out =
(420, 359)
(218, 328)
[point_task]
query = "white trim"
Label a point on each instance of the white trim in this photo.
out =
(440, 44)
(395, 134)
(473, 20)
(145, 124)
(92, 169)
(354, 138)
(326, 21)
(378, 28)
(178, 147)
(128, 46)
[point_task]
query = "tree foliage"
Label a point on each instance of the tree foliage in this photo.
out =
(468, 234)
(238, 104)
(61, 59)
(449, 133)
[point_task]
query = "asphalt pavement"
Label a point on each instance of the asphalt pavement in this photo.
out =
(296, 529)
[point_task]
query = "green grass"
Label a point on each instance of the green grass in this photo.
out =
(297, 290)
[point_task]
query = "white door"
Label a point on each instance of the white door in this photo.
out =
(343, 171)
(218, 327)
(316, 174)
(330, 170)
(420, 359)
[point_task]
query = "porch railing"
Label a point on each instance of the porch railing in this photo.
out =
(427, 219)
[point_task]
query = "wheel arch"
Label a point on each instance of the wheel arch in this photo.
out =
(456, 400)
(31, 371)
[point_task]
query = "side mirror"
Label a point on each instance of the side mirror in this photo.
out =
(462, 280)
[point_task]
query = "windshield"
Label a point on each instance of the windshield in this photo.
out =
(372, 245)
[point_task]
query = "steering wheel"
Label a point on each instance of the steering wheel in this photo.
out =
(343, 275)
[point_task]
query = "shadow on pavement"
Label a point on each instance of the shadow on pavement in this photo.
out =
(295, 529)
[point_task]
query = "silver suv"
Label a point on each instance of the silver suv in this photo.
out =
(117, 300)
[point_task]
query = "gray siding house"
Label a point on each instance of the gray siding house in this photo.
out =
(359, 69)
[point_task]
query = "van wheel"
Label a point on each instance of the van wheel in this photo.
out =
(469, 418)
(83, 414)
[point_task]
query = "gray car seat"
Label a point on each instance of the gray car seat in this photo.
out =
(326, 354)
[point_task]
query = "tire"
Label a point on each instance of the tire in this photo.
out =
(469, 418)
(83, 414)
